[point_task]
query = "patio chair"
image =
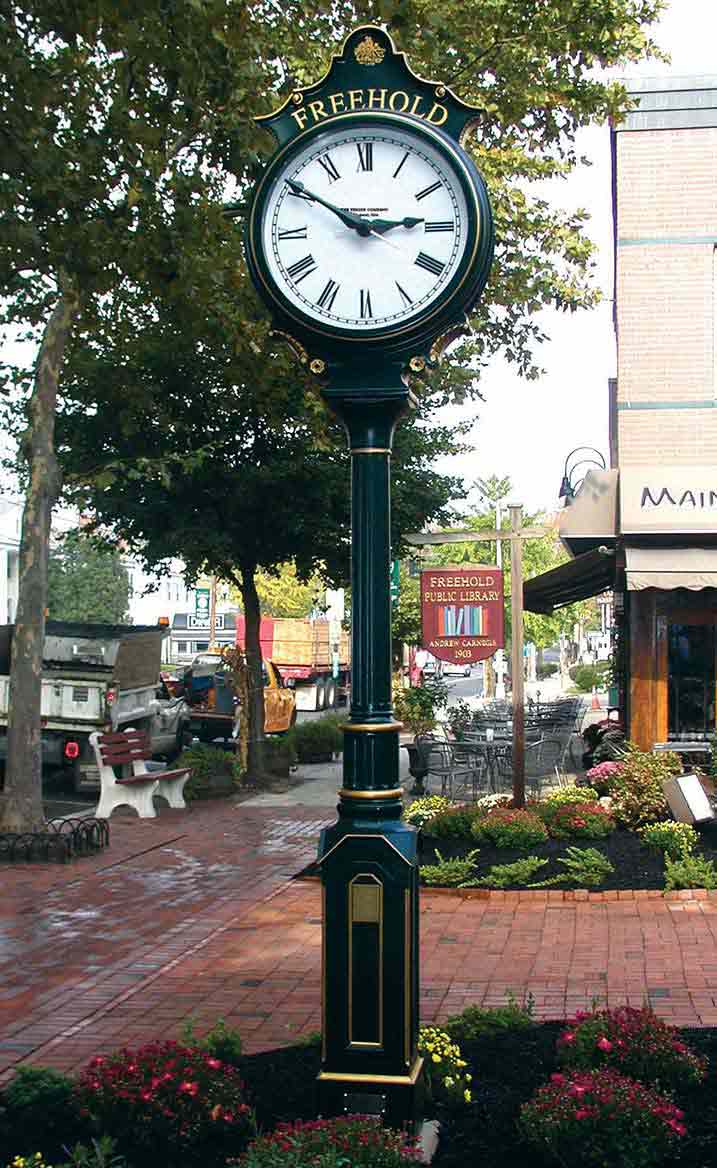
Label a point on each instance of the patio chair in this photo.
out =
(460, 767)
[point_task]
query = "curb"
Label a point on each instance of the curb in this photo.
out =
(560, 896)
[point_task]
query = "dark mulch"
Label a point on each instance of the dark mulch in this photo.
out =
(636, 865)
(507, 1067)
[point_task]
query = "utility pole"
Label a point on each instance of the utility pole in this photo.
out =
(500, 654)
(212, 611)
(516, 610)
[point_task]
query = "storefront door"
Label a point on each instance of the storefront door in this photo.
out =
(691, 677)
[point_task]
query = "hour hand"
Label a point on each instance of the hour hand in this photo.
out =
(381, 225)
(361, 225)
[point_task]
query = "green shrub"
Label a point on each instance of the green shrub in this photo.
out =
(503, 875)
(320, 736)
(418, 706)
(477, 1022)
(577, 820)
(676, 839)
(633, 1042)
(450, 873)
(222, 1042)
(510, 828)
(459, 718)
(599, 1119)
(356, 1140)
(569, 794)
(38, 1113)
(164, 1095)
(455, 822)
(689, 872)
(636, 788)
(99, 1153)
(211, 767)
(422, 810)
(547, 670)
(587, 676)
(279, 754)
(586, 867)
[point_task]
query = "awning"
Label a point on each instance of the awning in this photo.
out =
(671, 567)
(586, 575)
(591, 517)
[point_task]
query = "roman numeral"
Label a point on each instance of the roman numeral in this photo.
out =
(365, 155)
(327, 297)
(430, 265)
(366, 303)
(436, 186)
(303, 268)
(395, 173)
(328, 165)
(292, 233)
(404, 294)
(441, 225)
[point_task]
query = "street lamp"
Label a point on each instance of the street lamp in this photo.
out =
(570, 486)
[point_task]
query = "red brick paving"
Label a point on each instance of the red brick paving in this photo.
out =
(190, 916)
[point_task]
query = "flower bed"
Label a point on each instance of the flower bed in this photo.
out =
(508, 1092)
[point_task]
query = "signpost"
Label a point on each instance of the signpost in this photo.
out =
(462, 612)
(516, 535)
(201, 605)
(370, 238)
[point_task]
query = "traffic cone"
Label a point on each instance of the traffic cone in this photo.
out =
(595, 704)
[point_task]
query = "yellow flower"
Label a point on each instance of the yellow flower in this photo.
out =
(436, 1058)
(467, 1096)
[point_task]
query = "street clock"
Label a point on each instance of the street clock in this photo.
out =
(370, 231)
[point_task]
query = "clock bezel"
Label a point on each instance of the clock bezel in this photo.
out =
(452, 303)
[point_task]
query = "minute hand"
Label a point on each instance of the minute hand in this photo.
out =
(361, 225)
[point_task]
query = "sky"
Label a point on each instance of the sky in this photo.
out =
(526, 429)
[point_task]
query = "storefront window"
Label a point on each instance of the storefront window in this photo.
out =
(691, 681)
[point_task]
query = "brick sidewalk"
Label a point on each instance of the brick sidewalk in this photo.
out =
(191, 916)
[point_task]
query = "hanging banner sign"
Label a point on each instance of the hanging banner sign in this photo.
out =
(462, 612)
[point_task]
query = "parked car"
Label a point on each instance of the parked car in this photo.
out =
(456, 669)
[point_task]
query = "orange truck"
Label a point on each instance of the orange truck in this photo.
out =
(312, 656)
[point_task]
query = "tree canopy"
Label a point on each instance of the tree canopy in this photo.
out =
(87, 582)
(125, 130)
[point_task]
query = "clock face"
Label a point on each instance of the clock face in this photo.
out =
(366, 226)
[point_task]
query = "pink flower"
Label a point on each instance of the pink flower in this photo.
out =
(582, 1113)
(604, 1044)
(215, 1064)
(567, 1037)
(188, 1088)
(557, 1078)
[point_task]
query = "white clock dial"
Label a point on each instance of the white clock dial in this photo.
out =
(365, 227)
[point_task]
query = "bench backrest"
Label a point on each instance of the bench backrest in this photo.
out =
(124, 746)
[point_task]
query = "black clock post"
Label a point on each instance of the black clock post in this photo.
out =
(369, 104)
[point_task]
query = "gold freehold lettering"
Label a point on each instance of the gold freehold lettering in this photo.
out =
(396, 100)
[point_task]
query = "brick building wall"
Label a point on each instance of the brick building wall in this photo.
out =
(665, 191)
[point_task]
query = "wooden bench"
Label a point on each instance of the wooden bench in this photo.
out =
(132, 747)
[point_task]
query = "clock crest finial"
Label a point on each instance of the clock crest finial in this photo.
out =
(369, 52)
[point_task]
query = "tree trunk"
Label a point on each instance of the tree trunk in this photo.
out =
(252, 646)
(21, 800)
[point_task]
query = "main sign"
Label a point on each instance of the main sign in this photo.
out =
(462, 612)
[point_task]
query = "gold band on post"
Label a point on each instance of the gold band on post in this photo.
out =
(373, 727)
(339, 1077)
(370, 450)
(394, 793)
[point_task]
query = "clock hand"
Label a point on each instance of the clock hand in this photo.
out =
(395, 246)
(387, 224)
(355, 221)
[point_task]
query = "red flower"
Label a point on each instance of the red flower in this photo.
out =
(604, 1044)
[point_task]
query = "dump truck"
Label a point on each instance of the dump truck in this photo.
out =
(97, 677)
(312, 656)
